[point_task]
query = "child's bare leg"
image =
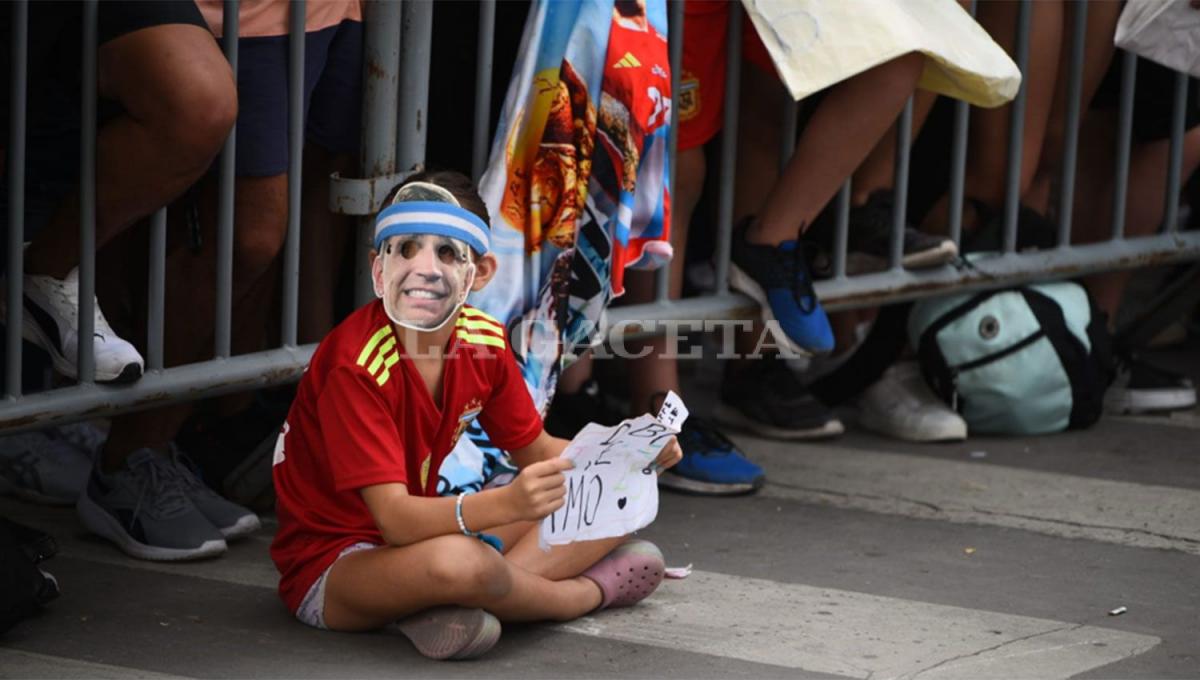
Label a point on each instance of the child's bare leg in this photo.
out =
(842, 131)
(371, 588)
(656, 372)
(988, 157)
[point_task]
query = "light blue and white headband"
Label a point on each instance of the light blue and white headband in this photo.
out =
(432, 217)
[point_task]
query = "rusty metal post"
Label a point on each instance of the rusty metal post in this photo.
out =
(381, 81)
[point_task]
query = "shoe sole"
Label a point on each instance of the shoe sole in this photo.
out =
(99, 522)
(732, 417)
(451, 632)
(246, 525)
(32, 332)
(742, 282)
(675, 482)
(943, 254)
(1151, 402)
(878, 427)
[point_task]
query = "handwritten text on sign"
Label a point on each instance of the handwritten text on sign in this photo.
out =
(613, 488)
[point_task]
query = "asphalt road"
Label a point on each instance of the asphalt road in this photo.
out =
(861, 558)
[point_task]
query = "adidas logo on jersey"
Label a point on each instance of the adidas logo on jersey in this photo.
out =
(379, 355)
(627, 61)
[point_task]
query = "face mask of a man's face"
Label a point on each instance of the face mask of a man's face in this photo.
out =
(423, 279)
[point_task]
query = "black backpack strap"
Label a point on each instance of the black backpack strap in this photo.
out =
(881, 348)
(1087, 380)
(933, 362)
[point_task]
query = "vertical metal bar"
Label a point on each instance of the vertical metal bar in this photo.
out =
(18, 74)
(1175, 160)
(841, 238)
(87, 197)
(787, 138)
(662, 279)
(1071, 134)
(1016, 130)
(416, 35)
(958, 169)
(483, 86)
(156, 294)
(900, 207)
(224, 308)
(729, 135)
(381, 64)
(291, 249)
(1124, 144)
(958, 163)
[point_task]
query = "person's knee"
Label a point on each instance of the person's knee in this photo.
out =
(256, 246)
(471, 570)
(200, 117)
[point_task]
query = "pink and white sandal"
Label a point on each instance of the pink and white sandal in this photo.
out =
(628, 574)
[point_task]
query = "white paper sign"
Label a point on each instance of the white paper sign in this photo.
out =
(613, 488)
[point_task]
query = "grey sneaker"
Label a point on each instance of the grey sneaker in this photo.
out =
(144, 510)
(43, 467)
(231, 519)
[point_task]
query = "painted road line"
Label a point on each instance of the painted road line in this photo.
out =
(856, 635)
(1124, 513)
(15, 663)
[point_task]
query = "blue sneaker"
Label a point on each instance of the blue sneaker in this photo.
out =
(711, 465)
(777, 277)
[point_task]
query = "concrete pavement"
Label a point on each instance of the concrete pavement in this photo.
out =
(862, 558)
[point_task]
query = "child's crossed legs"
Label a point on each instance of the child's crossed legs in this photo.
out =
(369, 589)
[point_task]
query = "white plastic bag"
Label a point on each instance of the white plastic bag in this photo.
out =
(1164, 31)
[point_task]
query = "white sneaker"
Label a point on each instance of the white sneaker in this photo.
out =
(52, 323)
(901, 405)
(1140, 387)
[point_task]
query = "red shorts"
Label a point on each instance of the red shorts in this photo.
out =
(702, 82)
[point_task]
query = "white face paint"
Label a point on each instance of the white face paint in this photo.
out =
(423, 279)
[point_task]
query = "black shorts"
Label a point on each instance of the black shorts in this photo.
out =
(1153, 98)
(332, 96)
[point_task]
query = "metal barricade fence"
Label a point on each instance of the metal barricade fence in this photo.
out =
(397, 51)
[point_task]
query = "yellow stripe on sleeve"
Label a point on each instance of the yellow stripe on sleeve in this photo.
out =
(479, 324)
(387, 367)
(475, 313)
(383, 350)
(477, 339)
(370, 346)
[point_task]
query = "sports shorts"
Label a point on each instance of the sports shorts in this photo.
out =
(702, 80)
(332, 96)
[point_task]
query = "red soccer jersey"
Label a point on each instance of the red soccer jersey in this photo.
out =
(363, 416)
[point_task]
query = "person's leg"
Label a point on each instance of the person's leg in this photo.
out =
(179, 100)
(371, 588)
(1097, 55)
(1143, 211)
(655, 372)
(333, 136)
(988, 157)
(847, 124)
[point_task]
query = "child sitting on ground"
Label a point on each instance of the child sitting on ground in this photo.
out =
(364, 540)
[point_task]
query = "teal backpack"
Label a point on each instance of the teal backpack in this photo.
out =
(1026, 360)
